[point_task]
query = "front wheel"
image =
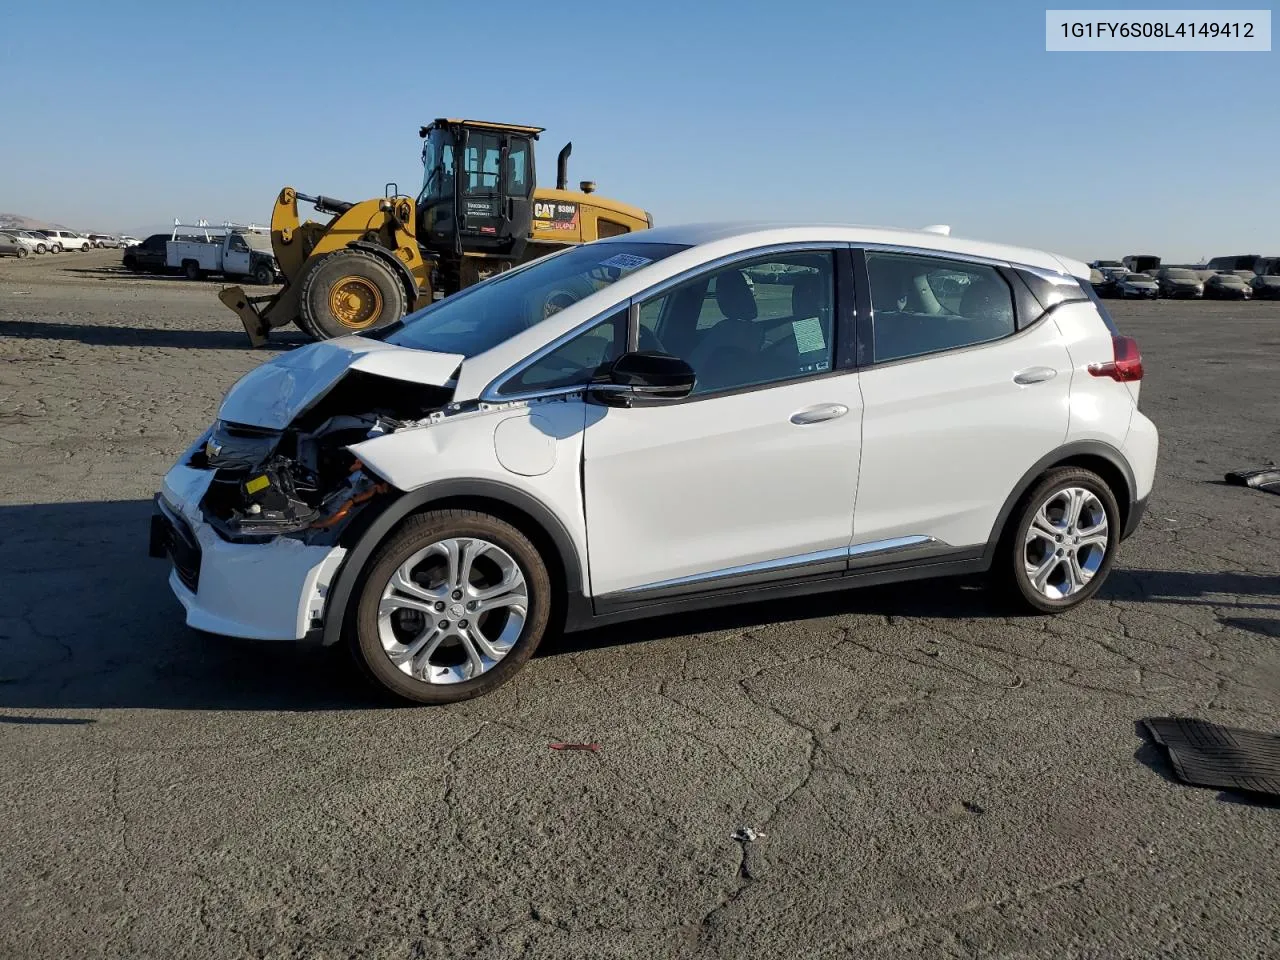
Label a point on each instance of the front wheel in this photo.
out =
(22, 252)
(263, 274)
(453, 605)
(41, 248)
(1062, 541)
(57, 248)
(350, 291)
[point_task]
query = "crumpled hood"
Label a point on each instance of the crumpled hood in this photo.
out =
(273, 394)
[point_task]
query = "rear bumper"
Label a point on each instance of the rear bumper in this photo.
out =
(261, 591)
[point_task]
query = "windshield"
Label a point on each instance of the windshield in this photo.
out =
(491, 312)
(437, 167)
(1138, 277)
(1181, 274)
(1110, 263)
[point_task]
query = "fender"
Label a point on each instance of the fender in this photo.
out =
(401, 271)
(1092, 448)
(349, 574)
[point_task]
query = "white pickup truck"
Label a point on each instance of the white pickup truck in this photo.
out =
(231, 250)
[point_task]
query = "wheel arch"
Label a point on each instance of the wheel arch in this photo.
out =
(1102, 458)
(523, 511)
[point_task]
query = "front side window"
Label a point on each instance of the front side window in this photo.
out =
(761, 322)
(924, 305)
(489, 313)
(576, 361)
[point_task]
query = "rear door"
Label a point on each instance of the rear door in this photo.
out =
(960, 399)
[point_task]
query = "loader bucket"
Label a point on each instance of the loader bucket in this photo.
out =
(246, 309)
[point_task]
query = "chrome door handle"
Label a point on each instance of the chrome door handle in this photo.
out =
(820, 413)
(1035, 375)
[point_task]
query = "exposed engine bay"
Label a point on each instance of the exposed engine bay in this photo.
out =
(303, 480)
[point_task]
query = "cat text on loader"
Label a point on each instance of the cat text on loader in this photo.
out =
(478, 213)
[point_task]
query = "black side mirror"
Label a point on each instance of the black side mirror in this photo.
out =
(644, 376)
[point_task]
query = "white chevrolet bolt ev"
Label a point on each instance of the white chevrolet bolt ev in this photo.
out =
(663, 421)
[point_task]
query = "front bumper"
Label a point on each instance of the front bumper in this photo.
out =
(261, 591)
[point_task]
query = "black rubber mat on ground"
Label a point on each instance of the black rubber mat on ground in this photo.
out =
(1260, 478)
(1207, 755)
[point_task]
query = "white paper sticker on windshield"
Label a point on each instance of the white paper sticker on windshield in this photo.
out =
(808, 333)
(626, 261)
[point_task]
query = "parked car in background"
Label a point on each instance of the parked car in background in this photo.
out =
(1130, 286)
(50, 245)
(68, 240)
(1266, 286)
(1179, 282)
(232, 252)
(35, 243)
(147, 256)
(1108, 268)
(104, 240)
(1227, 286)
(127, 241)
(11, 246)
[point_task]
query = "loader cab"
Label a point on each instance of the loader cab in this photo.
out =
(477, 188)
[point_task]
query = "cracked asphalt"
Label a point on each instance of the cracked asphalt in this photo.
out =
(926, 777)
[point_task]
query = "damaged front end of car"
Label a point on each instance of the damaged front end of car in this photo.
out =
(303, 481)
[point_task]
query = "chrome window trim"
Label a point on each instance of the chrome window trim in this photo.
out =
(875, 548)
(490, 393)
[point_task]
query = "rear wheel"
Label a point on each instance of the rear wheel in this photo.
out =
(350, 291)
(22, 252)
(57, 248)
(41, 248)
(191, 270)
(453, 605)
(1062, 542)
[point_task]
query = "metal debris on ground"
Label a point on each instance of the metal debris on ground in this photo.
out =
(747, 835)
(593, 747)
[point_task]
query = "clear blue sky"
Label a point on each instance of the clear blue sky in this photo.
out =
(127, 114)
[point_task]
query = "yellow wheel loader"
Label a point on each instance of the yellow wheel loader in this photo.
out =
(479, 212)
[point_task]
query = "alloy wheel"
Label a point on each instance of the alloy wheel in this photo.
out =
(1066, 543)
(453, 610)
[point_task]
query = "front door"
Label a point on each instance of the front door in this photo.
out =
(236, 258)
(750, 479)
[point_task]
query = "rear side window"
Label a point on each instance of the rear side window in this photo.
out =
(922, 305)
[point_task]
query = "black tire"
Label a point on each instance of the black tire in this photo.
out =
(22, 252)
(416, 533)
(191, 270)
(1009, 570)
(367, 273)
(129, 263)
(41, 248)
(57, 248)
(263, 274)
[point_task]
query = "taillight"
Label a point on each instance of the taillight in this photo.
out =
(1126, 362)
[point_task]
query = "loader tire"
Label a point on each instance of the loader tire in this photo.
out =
(350, 291)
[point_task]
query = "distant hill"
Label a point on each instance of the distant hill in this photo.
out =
(16, 221)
